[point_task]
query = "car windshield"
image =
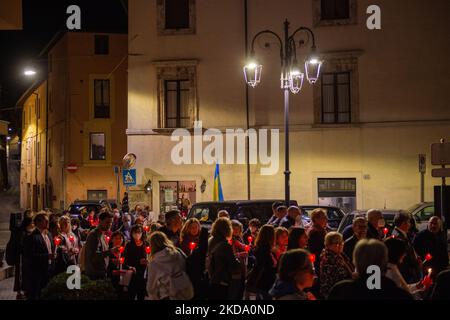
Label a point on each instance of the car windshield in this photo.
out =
(413, 208)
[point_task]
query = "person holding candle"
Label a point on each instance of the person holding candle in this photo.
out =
(38, 257)
(167, 277)
(281, 242)
(397, 251)
(297, 239)
(410, 266)
(68, 249)
(221, 262)
(126, 226)
(195, 266)
(96, 249)
(295, 275)
(316, 235)
(262, 276)
(252, 231)
(189, 236)
(335, 266)
(359, 226)
(136, 257)
(241, 252)
(431, 243)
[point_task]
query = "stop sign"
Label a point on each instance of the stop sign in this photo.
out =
(72, 167)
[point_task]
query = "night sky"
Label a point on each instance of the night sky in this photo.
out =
(42, 19)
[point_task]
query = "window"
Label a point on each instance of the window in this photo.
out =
(334, 12)
(336, 97)
(176, 103)
(176, 14)
(101, 44)
(335, 9)
(97, 194)
(177, 93)
(175, 17)
(97, 146)
(101, 98)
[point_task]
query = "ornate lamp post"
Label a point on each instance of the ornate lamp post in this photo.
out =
(291, 77)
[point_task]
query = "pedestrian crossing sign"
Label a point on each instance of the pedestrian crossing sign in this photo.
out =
(129, 177)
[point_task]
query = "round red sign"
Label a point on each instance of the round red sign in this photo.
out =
(72, 168)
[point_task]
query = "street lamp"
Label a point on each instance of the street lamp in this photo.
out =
(29, 72)
(292, 77)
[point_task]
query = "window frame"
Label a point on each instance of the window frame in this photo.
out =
(102, 105)
(336, 97)
(161, 20)
(90, 146)
(178, 90)
(99, 50)
(319, 22)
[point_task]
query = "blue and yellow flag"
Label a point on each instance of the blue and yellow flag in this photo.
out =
(217, 193)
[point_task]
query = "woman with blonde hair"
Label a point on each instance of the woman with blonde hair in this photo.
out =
(167, 278)
(69, 247)
(281, 242)
(190, 233)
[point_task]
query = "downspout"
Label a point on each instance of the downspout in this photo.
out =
(46, 202)
(247, 106)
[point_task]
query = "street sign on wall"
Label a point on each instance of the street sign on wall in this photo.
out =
(129, 177)
(440, 172)
(72, 167)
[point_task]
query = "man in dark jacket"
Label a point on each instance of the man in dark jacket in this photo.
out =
(279, 211)
(289, 219)
(359, 232)
(432, 241)
(375, 220)
(97, 250)
(38, 257)
(409, 268)
(173, 225)
(369, 253)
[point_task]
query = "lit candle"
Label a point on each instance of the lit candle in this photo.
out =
(121, 249)
(428, 257)
(57, 241)
(429, 271)
(247, 248)
(385, 231)
(312, 257)
(107, 239)
(72, 238)
(121, 261)
(250, 239)
(146, 228)
(148, 250)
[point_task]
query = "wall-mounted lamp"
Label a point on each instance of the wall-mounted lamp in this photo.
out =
(203, 186)
(148, 187)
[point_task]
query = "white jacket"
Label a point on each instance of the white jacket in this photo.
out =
(163, 268)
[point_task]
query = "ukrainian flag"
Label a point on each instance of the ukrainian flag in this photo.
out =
(217, 193)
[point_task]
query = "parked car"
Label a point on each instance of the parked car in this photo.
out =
(97, 205)
(334, 214)
(242, 210)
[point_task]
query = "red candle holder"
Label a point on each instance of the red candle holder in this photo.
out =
(121, 260)
(146, 228)
(71, 238)
(107, 239)
(148, 250)
(312, 258)
(385, 231)
(121, 250)
(247, 248)
(250, 239)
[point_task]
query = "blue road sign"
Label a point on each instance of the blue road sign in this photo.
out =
(129, 177)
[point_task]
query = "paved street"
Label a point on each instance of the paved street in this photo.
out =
(9, 202)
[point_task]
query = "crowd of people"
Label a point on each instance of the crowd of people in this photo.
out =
(282, 259)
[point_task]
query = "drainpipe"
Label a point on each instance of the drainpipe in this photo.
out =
(247, 106)
(45, 200)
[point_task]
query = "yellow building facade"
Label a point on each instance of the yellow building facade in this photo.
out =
(84, 114)
(365, 156)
